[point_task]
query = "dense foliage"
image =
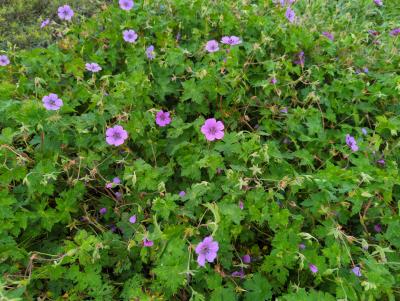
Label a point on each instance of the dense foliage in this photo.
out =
(297, 196)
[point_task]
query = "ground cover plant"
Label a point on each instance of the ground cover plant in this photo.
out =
(203, 150)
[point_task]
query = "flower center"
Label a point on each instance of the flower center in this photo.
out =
(116, 136)
(205, 251)
(212, 130)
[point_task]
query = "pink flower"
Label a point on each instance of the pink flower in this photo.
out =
(147, 243)
(130, 35)
(206, 250)
(4, 61)
(109, 185)
(93, 67)
(356, 271)
(328, 35)
(163, 118)
(126, 4)
(150, 52)
(241, 205)
(212, 46)
(116, 135)
(213, 129)
(290, 15)
(395, 32)
(65, 12)
(132, 219)
(246, 258)
(239, 274)
(45, 23)
(51, 102)
(352, 143)
(231, 40)
(313, 268)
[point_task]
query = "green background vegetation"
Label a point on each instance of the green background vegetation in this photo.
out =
(298, 180)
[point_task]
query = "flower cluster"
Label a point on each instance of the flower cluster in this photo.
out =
(213, 46)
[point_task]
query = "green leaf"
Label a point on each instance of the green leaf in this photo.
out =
(258, 288)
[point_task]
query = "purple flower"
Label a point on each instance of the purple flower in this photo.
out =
(52, 102)
(378, 228)
(364, 131)
(239, 274)
(231, 40)
(212, 46)
(213, 129)
(116, 135)
(395, 32)
(118, 195)
(302, 246)
(147, 243)
(381, 161)
(182, 194)
(378, 2)
(300, 59)
(246, 258)
(93, 67)
(117, 180)
(206, 250)
(274, 80)
(284, 110)
(366, 70)
(4, 61)
(130, 35)
(328, 35)
(351, 142)
(65, 12)
(356, 271)
(163, 118)
(132, 219)
(313, 268)
(45, 23)
(150, 52)
(241, 205)
(126, 4)
(103, 211)
(290, 15)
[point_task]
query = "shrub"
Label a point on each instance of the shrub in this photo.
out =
(262, 167)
